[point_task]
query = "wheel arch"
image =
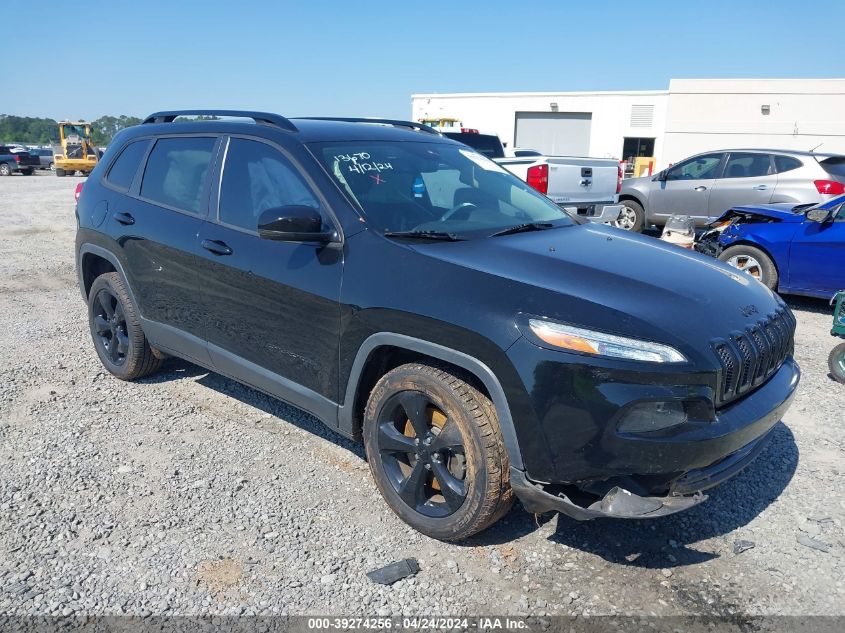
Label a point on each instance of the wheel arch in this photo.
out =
(631, 196)
(758, 246)
(384, 351)
(94, 261)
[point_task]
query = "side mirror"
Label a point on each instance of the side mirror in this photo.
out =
(294, 223)
(820, 215)
(661, 176)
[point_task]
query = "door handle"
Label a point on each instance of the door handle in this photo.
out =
(217, 247)
(124, 218)
(700, 188)
(760, 187)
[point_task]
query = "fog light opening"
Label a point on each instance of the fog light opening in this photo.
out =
(646, 417)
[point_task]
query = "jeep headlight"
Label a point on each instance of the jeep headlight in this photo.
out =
(601, 344)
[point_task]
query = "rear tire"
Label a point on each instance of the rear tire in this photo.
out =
(5, 170)
(60, 172)
(752, 261)
(836, 363)
(116, 330)
(631, 217)
(436, 452)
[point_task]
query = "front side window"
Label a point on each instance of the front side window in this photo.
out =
(256, 177)
(419, 186)
(747, 165)
(122, 172)
(699, 168)
(176, 172)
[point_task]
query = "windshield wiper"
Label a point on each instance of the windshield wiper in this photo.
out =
(523, 228)
(425, 235)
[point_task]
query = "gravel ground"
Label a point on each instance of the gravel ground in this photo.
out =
(190, 494)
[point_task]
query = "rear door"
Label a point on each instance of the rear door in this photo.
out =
(817, 256)
(156, 225)
(747, 178)
(271, 308)
(686, 189)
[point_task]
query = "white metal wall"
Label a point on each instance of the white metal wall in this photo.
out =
(694, 115)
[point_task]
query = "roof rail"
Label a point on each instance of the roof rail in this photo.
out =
(396, 122)
(262, 118)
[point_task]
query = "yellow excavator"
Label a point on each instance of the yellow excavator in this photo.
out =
(77, 153)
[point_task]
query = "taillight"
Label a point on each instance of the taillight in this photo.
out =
(78, 191)
(619, 177)
(829, 187)
(538, 178)
(17, 158)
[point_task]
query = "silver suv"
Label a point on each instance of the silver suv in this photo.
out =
(706, 185)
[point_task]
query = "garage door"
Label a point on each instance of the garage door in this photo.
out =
(554, 133)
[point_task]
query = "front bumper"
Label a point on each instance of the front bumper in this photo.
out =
(599, 212)
(600, 472)
(619, 503)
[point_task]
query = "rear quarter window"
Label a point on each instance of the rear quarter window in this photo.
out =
(177, 171)
(786, 163)
(123, 170)
(834, 166)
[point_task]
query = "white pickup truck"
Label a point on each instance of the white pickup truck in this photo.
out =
(586, 186)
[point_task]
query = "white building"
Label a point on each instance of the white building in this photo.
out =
(692, 116)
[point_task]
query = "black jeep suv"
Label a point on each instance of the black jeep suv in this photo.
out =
(409, 292)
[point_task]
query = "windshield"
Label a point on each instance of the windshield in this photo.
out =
(417, 186)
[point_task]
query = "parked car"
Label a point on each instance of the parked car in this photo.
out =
(489, 145)
(17, 162)
(45, 157)
(410, 292)
(796, 249)
(588, 187)
(521, 152)
(708, 184)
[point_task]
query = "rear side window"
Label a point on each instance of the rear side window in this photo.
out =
(834, 166)
(257, 177)
(176, 172)
(747, 165)
(786, 163)
(123, 171)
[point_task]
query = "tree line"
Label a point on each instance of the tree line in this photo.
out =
(39, 131)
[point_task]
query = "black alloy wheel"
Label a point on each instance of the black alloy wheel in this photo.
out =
(110, 327)
(422, 453)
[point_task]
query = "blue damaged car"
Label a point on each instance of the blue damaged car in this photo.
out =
(793, 249)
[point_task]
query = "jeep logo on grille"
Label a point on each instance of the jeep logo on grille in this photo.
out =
(748, 310)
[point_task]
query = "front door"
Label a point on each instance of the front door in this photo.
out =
(272, 314)
(747, 178)
(817, 256)
(686, 189)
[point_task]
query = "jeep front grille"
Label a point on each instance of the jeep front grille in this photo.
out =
(750, 357)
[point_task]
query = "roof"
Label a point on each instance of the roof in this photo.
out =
(304, 129)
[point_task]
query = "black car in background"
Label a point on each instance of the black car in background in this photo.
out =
(21, 162)
(409, 292)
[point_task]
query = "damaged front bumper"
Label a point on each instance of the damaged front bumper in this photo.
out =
(684, 492)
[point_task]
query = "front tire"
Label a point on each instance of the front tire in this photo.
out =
(436, 452)
(116, 330)
(752, 261)
(836, 363)
(60, 172)
(5, 170)
(631, 217)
